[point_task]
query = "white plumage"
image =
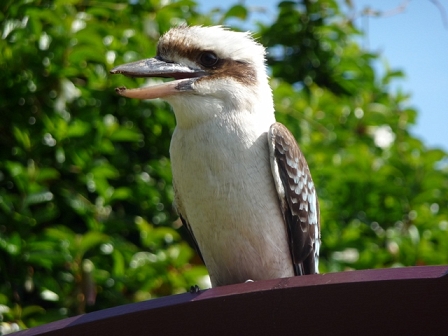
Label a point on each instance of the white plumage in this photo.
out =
(242, 186)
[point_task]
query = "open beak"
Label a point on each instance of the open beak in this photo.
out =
(154, 67)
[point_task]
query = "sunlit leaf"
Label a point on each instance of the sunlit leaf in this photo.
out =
(124, 134)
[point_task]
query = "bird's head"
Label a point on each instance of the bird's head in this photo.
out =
(215, 71)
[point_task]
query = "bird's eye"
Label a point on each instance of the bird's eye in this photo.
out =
(208, 59)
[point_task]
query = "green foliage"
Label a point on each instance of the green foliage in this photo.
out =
(86, 220)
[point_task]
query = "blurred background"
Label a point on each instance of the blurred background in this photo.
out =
(86, 217)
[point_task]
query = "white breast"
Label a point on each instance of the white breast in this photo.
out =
(226, 192)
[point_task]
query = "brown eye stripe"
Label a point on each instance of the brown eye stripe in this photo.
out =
(241, 71)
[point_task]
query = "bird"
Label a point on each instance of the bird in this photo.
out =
(242, 186)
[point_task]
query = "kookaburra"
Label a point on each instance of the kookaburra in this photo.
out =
(242, 186)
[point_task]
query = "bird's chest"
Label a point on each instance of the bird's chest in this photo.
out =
(217, 168)
(221, 179)
(224, 189)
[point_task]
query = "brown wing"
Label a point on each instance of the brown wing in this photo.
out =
(298, 199)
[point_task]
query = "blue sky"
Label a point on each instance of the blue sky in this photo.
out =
(414, 40)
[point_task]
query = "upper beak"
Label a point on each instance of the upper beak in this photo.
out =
(155, 67)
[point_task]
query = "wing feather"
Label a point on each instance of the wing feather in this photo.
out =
(297, 197)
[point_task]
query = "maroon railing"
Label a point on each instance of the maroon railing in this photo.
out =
(398, 301)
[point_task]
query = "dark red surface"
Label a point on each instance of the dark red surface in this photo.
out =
(399, 301)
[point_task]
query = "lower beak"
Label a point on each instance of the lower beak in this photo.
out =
(154, 67)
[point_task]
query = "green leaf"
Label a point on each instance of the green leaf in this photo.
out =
(237, 11)
(11, 244)
(77, 128)
(91, 240)
(104, 170)
(22, 137)
(86, 54)
(119, 264)
(125, 134)
(122, 193)
(46, 174)
(39, 197)
(31, 310)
